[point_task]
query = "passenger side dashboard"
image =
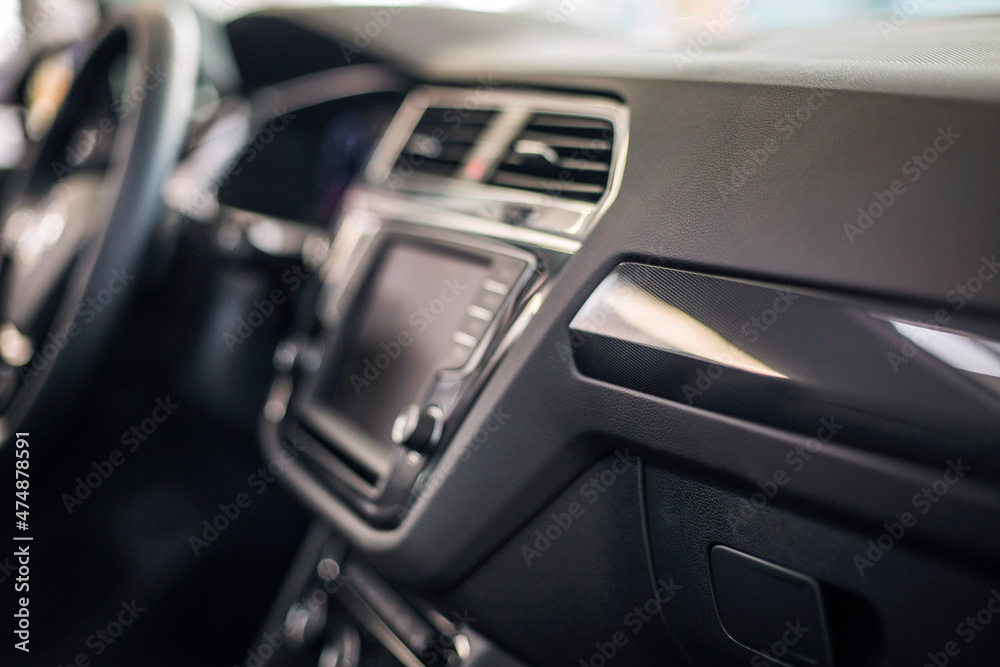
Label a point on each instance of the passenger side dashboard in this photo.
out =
(619, 428)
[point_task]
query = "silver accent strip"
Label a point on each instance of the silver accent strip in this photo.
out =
(389, 206)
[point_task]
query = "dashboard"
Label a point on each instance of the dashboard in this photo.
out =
(585, 330)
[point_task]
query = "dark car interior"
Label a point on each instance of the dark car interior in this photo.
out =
(347, 335)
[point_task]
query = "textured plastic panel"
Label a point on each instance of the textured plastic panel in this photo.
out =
(574, 583)
(895, 611)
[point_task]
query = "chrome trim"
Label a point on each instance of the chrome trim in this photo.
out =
(387, 205)
(438, 415)
(512, 105)
(493, 142)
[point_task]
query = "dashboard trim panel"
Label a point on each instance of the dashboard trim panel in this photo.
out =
(523, 104)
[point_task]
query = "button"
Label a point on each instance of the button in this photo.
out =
(466, 339)
(479, 313)
(496, 287)
(491, 301)
(474, 326)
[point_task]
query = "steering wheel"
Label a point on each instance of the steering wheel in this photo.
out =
(80, 218)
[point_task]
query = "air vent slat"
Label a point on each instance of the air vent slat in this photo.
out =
(441, 140)
(447, 152)
(569, 163)
(463, 134)
(555, 188)
(568, 141)
(574, 123)
(565, 156)
(456, 117)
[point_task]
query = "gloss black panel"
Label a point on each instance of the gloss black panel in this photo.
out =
(893, 378)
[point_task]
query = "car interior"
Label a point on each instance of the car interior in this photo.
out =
(500, 333)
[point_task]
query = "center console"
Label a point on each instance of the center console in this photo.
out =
(442, 253)
(469, 206)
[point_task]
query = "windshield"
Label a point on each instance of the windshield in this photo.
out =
(671, 22)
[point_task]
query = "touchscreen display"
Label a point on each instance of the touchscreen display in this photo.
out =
(416, 300)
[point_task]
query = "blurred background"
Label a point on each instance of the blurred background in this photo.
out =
(42, 41)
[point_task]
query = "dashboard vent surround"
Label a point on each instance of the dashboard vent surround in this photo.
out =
(564, 156)
(441, 141)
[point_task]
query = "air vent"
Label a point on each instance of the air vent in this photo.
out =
(441, 140)
(564, 156)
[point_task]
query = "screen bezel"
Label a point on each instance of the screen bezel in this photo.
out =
(330, 382)
(347, 297)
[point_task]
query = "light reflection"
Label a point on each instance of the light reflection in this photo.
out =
(645, 319)
(960, 351)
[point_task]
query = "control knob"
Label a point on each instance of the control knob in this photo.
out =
(418, 428)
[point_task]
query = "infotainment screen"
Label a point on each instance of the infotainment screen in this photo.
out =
(410, 319)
